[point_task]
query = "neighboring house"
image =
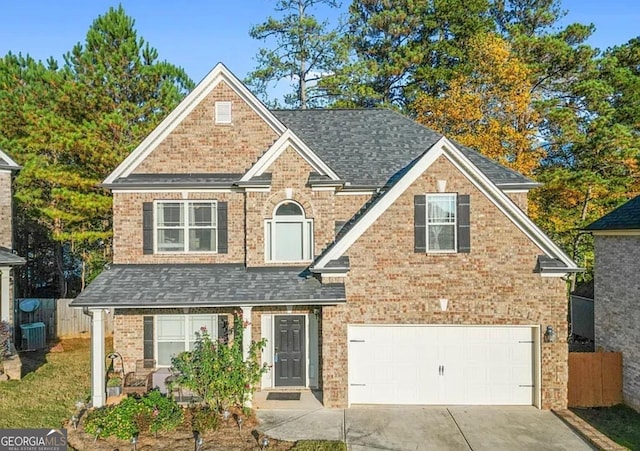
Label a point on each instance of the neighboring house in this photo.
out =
(382, 262)
(617, 291)
(581, 300)
(8, 260)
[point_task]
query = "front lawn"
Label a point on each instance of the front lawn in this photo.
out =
(54, 381)
(52, 384)
(619, 423)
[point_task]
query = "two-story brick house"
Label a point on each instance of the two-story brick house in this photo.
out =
(8, 260)
(382, 262)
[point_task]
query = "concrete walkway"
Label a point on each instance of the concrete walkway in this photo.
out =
(425, 428)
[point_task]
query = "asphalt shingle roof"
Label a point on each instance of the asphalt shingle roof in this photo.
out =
(205, 285)
(625, 217)
(10, 259)
(367, 147)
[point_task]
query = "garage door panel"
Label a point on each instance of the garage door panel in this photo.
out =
(441, 365)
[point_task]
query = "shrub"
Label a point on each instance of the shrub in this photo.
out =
(132, 416)
(217, 372)
(202, 419)
(165, 413)
(115, 421)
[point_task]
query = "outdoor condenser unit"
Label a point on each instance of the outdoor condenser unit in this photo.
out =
(33, 336)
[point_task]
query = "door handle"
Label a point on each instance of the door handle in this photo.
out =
(439, 370)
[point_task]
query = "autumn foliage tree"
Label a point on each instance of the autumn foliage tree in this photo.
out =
(489, 108)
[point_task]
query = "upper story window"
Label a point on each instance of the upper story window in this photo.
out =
(186, 226)
(441, 223)
(223, 113)
(289, 235)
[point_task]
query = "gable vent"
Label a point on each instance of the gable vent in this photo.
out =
(223, 113)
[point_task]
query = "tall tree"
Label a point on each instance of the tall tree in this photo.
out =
(593, 165)
(403, 47)
(70, 126)
(305, 51)
(488, 109)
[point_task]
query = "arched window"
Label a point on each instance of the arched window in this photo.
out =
(289, 235)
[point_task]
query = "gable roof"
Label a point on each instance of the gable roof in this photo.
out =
(218, 74)
(289, 139)
(7, 163)
(556, 261)
(367, 147)
(625, 217)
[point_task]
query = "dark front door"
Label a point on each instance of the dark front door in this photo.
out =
(289, 358)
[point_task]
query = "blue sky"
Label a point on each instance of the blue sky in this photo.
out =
(197, 34)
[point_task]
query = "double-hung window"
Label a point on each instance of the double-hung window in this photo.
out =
(177, 333)
(441, 222)
(186, 226)
(289, 235)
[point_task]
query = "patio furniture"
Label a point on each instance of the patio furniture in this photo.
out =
(140, 381)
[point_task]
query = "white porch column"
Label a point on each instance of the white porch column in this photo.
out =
(5, 308)
(98, 390)
(246, 334)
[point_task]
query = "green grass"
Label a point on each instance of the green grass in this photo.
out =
(619, 423)
(49, 389)
(318, 445)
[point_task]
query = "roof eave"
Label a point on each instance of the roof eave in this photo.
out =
(249, 303)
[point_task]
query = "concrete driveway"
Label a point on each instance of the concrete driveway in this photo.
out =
(426, 428)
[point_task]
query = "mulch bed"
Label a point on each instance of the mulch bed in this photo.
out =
(227, 436)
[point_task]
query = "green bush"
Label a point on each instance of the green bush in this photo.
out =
(217, 372)
(165, 413)
(115, 421)
(202, 419)
(132, 416)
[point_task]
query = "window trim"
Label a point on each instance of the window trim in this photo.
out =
(270, 238)
(217, 111)
(185, 227)
(185, 317)
(453, 224)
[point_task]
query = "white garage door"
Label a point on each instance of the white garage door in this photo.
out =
(441, 365)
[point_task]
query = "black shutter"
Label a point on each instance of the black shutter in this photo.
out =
(420, 223)
(223, 235)
(464, 223)
(147, 228)
(148, 338)
(223, 328)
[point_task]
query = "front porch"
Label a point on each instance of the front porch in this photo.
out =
(157, 314)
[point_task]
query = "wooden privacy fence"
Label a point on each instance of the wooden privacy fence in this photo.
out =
(595, 379)
(60, 319)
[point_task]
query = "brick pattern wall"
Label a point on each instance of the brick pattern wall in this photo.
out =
(617, 291)
(128, 330)
(198, 145)
(127, 229)
(6, 212)
(520, 199)
(290, 170)
(493, 285)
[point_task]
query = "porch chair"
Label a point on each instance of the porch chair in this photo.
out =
(140, 381)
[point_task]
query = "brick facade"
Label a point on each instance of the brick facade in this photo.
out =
(493, 285)
(388, 283)
(6, 210)
(617, 290)
(198, 145)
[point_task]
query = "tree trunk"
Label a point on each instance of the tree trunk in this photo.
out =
(62, 281)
